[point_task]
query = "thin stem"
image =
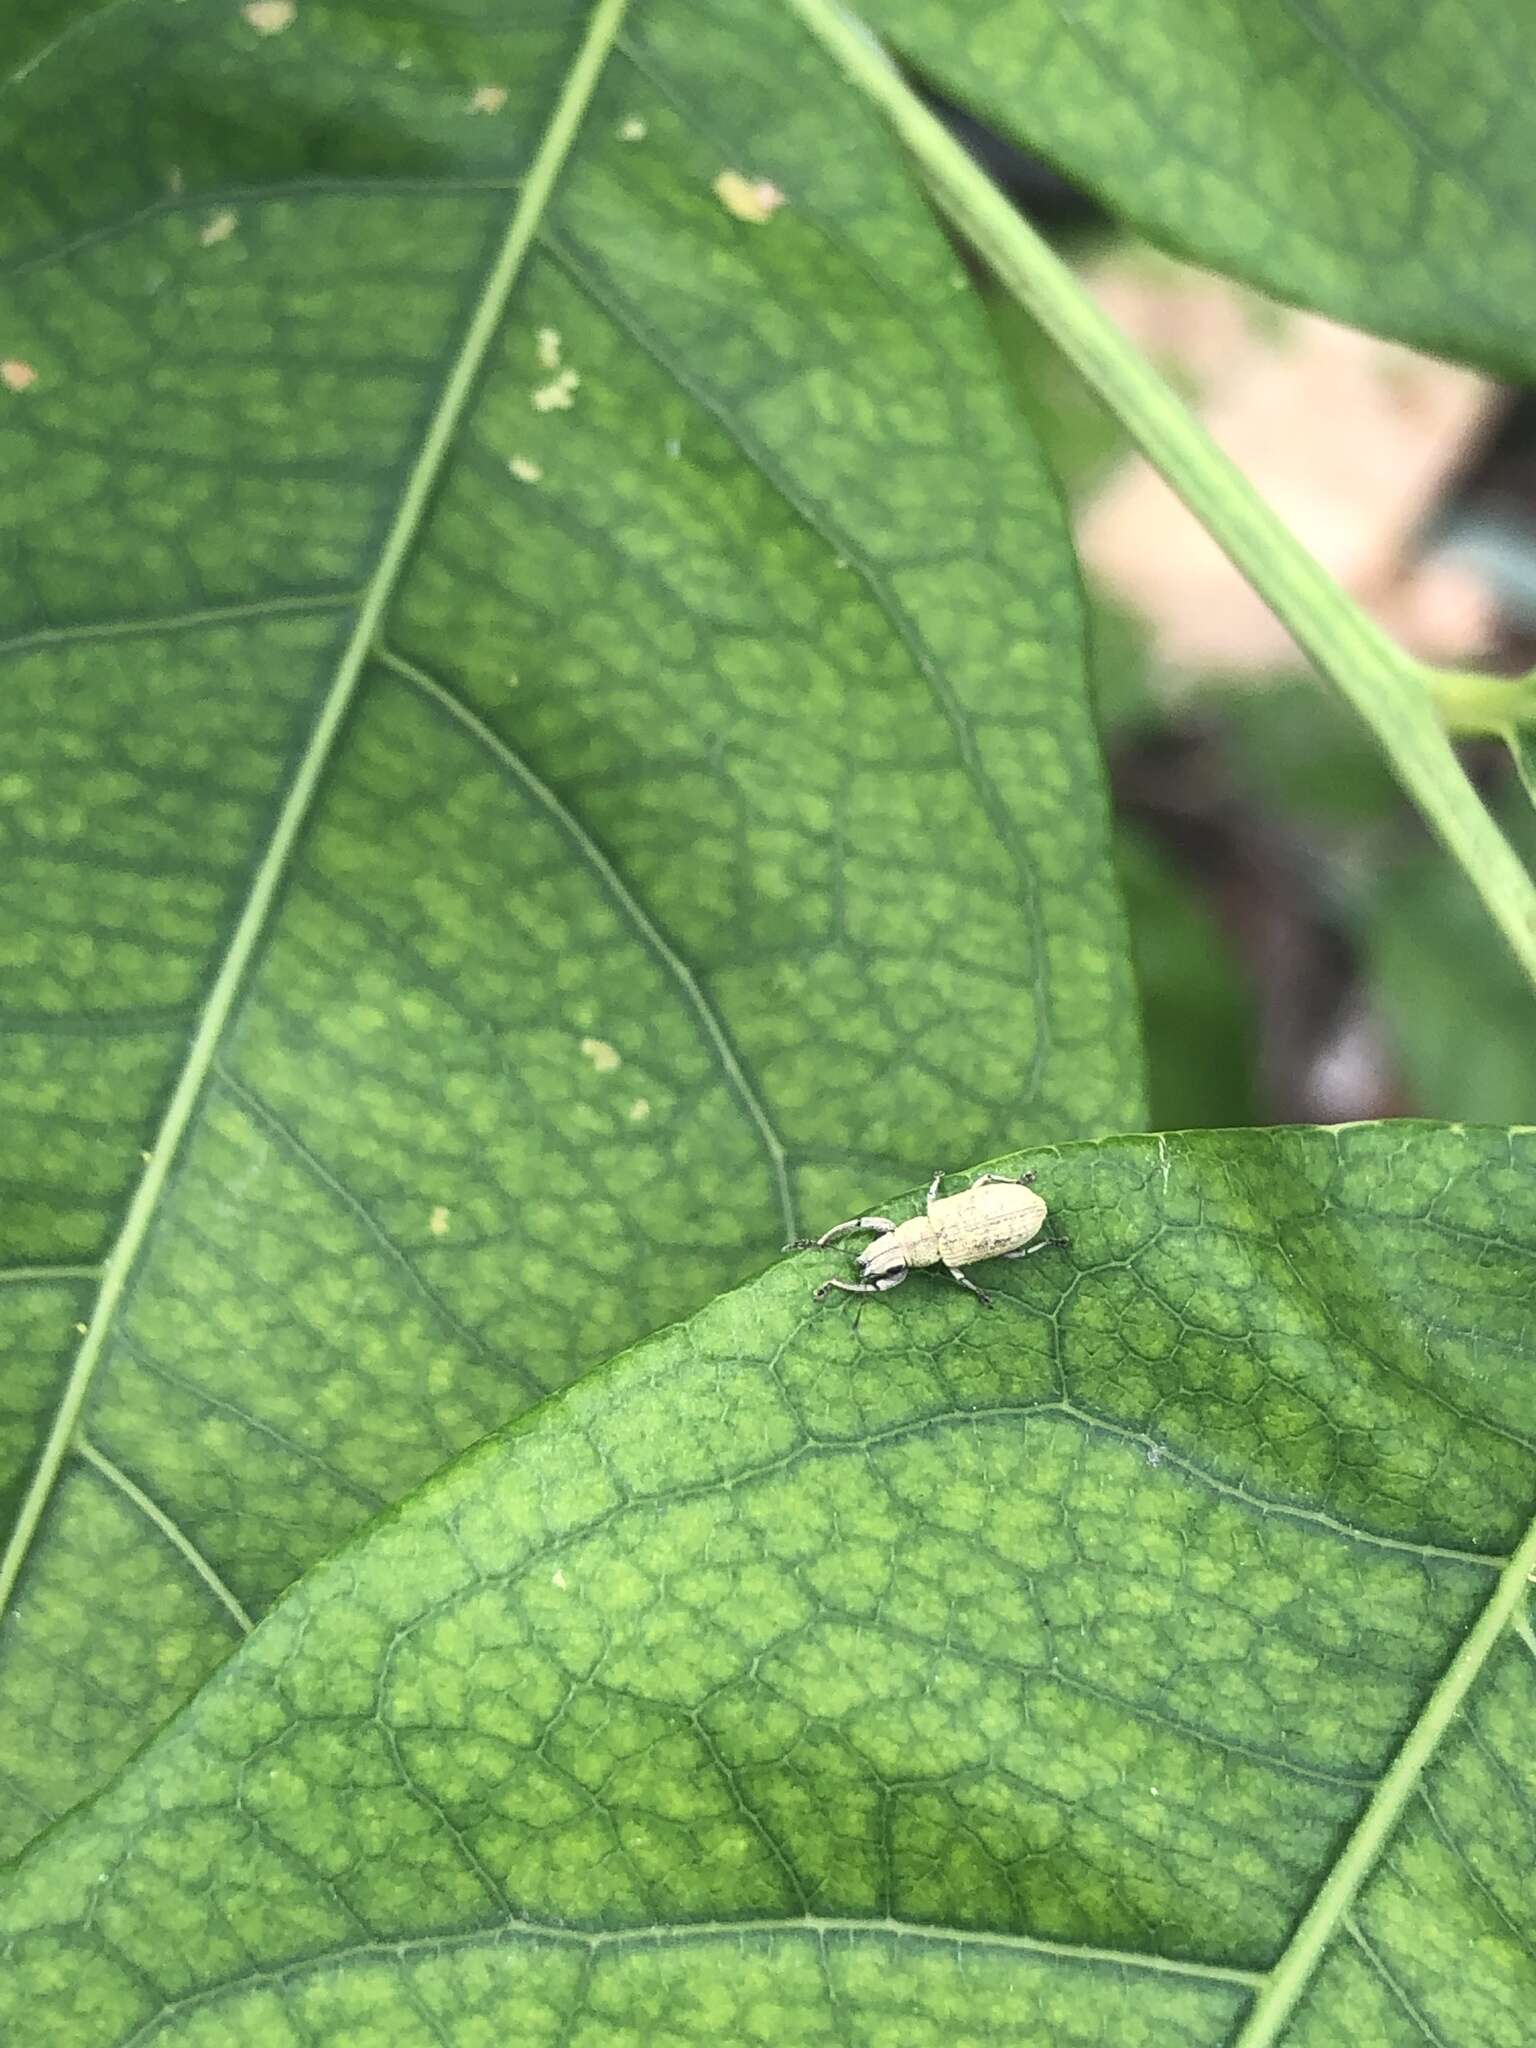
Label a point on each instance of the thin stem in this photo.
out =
(1469, 702)
(1384, 685)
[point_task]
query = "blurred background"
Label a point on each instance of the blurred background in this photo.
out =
(1305, 952)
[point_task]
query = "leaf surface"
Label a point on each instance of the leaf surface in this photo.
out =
(1457, 1012)
(1365, 158)
(1198, 1013)
(545, 744)
(1146, 1660)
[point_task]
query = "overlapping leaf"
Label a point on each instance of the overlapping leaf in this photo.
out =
(1366, 158)
(544, 740)
(1144, 1661)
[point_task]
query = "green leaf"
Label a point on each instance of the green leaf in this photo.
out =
(1357, 156)
(480, 867)
(1080, 435)
(1198, 1016)
(1127, 1664)
(1301, 753)
(1459, 1015)
(1398, 698)
(29, 28)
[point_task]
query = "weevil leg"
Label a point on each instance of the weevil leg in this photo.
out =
(855, 1287)
(970, 1286)
(878, 1224)
(1041, 1244)
(933, 1187)
(1003, 1180)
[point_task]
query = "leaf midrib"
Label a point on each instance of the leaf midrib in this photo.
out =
(501, 277)
(1340, 1887)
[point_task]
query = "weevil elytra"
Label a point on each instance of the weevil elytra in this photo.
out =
(994, 1218)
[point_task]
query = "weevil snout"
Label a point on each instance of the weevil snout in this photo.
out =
(996, 1217)
(867, 1283)
(883, 1263)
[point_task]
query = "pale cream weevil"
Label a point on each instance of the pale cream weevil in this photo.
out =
(994, 1218)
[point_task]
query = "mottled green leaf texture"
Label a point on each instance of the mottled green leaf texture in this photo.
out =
(544, 746)
(1366, 157)
(1145, 1661)
(28, 28)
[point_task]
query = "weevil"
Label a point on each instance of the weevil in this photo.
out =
(994, 1218)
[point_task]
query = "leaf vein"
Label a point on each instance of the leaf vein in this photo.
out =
(166, 1526)
(902, 626)
(630, 906)
(1341, 1884)
(42, 1276)
(263, 1113)
(399, 537)
(296, 605)
(595, 1941)
(1394, 1990)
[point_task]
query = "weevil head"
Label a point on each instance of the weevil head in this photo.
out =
(883, 1262)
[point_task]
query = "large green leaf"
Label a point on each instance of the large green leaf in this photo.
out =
(487, 851)
(1123, 1665)
(1361, 156)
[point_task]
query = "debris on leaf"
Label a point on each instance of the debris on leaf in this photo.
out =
(601, 1054)
(632, 130)
(16, 375)
(219, 227)
(487, 99)
(438, 1223)
(525, 469)
(270, 17)
(549, 348)
(559, 395)
(749, 199)
(639, 1110)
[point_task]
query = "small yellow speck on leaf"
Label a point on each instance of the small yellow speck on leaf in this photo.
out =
(749, 199)
(525, 469)
(80, 1328)
(146, 1157)
(558, 395)
(487, 99)
(438, 1222)
(557, 1578)
(219, 227)
(16, 375)
(632, 130)
(549, 348)
(639, 1110)
(601, 1054)
(270, 17)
